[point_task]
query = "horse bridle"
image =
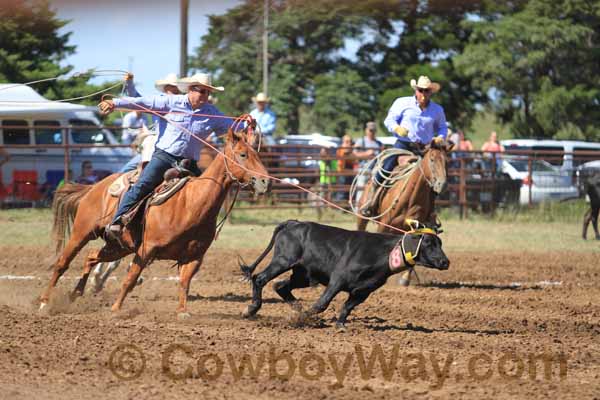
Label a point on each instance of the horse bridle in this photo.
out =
(228, 171)
(429, 182)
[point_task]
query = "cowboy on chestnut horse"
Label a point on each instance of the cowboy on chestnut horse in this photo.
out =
(189, 115)
(415, 121)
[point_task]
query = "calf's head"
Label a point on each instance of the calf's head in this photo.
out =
(427, 250)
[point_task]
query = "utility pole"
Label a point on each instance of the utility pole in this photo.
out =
(183, 23)
(265, 48)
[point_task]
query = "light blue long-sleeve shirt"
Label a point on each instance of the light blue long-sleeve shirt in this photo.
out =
(267, 120)
(132, 91)
(173, 137)
(422, 125)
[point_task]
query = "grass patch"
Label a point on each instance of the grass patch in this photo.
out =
(549, 227)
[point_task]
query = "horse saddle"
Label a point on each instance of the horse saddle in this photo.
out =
(123, 182)
(175, 178)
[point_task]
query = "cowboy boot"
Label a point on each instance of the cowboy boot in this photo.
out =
(371, 209)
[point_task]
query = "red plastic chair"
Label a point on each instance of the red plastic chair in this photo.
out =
(25, 185)
(3, 190)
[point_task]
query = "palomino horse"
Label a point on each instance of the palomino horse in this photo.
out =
(413, 197)
(181, 229)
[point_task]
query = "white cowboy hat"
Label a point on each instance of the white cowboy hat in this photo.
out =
(198, 79)
(261, 98)
(170, 79)
(425, 83)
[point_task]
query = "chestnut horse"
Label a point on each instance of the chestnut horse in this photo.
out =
(181, 229)
(413, 197)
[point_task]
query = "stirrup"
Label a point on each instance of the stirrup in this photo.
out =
(113, 232)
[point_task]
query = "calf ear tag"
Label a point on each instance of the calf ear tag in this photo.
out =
(395, 259)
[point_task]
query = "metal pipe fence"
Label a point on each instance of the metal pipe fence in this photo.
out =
(477, 181)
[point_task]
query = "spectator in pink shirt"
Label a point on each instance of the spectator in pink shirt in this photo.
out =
(492, 145)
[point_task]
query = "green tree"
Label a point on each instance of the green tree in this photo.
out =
(305, 40)
(541, 64)
(31, 48)
(422, 38)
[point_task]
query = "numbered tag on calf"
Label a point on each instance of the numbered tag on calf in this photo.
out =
(396, 260)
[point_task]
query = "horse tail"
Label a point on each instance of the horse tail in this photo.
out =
(247, 270)
(64, 208)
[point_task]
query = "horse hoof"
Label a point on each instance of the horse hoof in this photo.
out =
(42, 307)
(182, 316)
(139, 281)
(115, 308)
(340, 327)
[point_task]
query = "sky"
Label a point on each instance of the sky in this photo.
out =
(141, 36)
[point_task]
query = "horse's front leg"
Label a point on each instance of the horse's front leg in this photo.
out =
(186, 273)
(130, 280)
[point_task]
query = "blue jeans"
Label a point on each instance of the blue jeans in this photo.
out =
(131, 164)
(150, 178)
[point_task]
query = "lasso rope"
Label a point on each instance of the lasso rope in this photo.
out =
(375, 166)
(110, 72)
(90, 72)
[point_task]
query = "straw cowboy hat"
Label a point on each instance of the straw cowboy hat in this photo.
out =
(170, 79)
(198, 79)
(261, 98)
(425, 83)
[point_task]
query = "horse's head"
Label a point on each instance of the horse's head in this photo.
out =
(247, 168)
(435, 159)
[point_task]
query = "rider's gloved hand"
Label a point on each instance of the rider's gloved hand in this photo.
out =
(128, 77)
(106, 107)
(438, 140)
(401, 131)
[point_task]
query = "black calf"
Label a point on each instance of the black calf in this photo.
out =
(349, 261)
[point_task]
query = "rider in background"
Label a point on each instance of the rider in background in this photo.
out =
(415, 121)
(265, 117)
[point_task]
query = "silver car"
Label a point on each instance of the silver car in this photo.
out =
(547, 182)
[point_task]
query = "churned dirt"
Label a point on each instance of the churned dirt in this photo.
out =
(479, 330)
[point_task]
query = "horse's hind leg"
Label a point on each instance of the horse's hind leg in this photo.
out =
(186, 274)
(95, 257)
(100, 274)
(129, 282)
(75, 244)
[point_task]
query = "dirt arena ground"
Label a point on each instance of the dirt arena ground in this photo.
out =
(478, 330)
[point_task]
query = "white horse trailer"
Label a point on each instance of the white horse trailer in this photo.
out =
(27, 118)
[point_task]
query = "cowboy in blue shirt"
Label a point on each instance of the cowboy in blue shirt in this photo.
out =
(188, 113)
(415, 121)
(264, 116)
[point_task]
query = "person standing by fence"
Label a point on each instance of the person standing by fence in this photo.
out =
(365, 149)
(345, 166)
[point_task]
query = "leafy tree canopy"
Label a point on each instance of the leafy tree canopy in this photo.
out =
(31, 48)
(542, 65)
